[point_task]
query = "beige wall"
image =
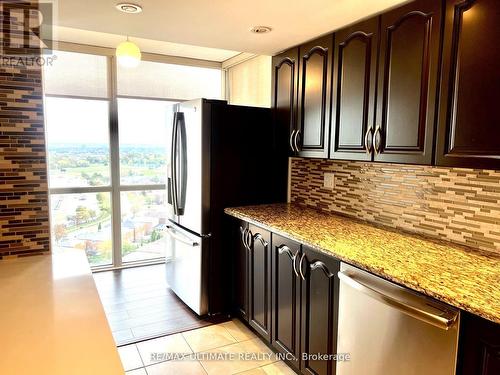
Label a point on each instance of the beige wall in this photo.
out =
(249, 82)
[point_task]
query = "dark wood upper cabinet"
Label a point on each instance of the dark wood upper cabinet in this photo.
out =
(314, 97)
(407, 88)
(469, 118)
(286, 299)
(418, 84)
(354, 75)
(320, 288)
(259, 315)
(284, 96)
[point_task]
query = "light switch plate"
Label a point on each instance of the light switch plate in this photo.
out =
(329, 181)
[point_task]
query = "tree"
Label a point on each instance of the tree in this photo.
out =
(92, 214)
(136, 203)
(82, 215)
(96, 179)
(104, 202)
(59, 232)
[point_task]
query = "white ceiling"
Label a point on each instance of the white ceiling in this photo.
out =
(221, 24)
(94, 38)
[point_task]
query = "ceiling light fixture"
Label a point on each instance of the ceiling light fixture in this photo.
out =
(128, 54)
(260, 29)
(129, 8)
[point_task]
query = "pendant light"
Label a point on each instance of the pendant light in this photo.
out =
(128, 54)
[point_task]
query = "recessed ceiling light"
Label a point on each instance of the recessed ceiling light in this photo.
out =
(129, 8)
(260, 29)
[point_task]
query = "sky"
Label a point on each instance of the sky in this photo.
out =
(141, 122)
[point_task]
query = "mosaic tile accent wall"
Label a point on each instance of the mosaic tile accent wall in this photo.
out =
(24, 214)
(455, 204)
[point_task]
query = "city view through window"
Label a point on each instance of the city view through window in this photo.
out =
(76, 160)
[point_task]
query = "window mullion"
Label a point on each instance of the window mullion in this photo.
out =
(115, 162)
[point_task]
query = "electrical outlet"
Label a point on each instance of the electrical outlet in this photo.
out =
(329, 181)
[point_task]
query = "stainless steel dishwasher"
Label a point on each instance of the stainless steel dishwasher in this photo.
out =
(390, 330)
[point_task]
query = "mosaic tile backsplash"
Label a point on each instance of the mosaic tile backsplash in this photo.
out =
(24, 214)
(454, 204)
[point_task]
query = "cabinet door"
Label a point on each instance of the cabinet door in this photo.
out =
(260, 281)
(241, 276)
(285, 75)
(479, 351)
(355, 73)
(408, 75)
(314, 97)
(468, 130)
(286, 298)
(320, 288)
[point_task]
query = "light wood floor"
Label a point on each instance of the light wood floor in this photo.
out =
(139, 304)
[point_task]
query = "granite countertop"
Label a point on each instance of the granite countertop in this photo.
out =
(462, 277)
(52, 321)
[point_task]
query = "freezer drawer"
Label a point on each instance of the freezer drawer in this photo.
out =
(390, 330)
(186, 269)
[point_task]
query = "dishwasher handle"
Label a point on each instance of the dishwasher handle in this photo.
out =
(444, 320)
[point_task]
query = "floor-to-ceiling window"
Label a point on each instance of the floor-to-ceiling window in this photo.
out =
(107, 144)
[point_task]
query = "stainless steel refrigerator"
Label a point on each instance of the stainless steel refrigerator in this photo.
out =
(220, 155)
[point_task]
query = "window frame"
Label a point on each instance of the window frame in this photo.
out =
(115, 188)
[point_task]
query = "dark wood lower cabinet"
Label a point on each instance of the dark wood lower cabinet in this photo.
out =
(320, 289)
(259, 279)
(241, 263)
(304, 308)
(288, 293)
(286, 299)
(479, 352)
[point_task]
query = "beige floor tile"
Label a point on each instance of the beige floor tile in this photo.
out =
(235, 365)
(276, 368)
(139, 371)
(156, 350)
(208, 338)
(238, 330)
(130, 357)
(176, 368)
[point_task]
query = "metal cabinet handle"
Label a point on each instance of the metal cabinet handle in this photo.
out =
(248, 240)
(444, 320)
(259, 237)
(285, 249)
(291, 140)
(377, 135)
(296, 142)
(323, 266)
(368, 147)
(300, 266)
(243, 236)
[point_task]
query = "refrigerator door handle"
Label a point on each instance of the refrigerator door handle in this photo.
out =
(173, 164)
(181, 128)
(425, 313)
(172, 233)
